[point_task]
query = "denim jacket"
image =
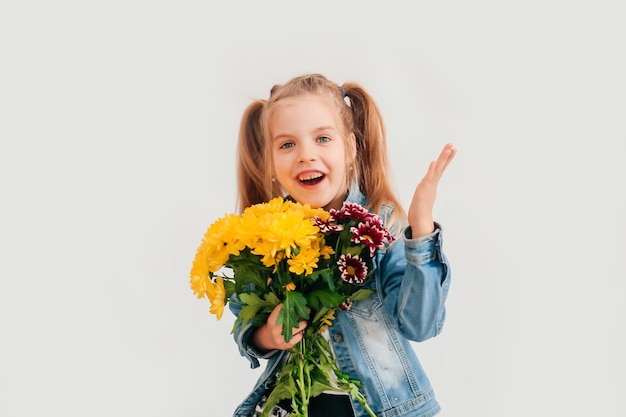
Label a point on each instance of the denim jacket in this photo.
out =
(371, 341)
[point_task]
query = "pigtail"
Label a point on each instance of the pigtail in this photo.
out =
(372, 163)
(369, 130)
(254, 185)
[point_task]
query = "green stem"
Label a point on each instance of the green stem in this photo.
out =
(304, 380)
(365, 405)
(304, 393)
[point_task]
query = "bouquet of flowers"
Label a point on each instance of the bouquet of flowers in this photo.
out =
(312, 261)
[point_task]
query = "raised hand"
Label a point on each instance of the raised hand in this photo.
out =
(270, 335)
(420, 214)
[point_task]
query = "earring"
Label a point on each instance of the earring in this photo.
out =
(273, 179)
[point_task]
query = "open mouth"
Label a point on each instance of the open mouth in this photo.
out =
(311, 179)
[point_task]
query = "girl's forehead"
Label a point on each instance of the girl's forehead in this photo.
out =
(313, 105)
(303, 114)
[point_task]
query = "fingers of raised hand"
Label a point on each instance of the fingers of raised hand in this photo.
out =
(437, 168)
(446, 156)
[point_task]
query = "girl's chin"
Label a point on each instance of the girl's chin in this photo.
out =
(315, 200)
(314, 203)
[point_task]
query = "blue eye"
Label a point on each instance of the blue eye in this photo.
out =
(323, 139)
(286, 145)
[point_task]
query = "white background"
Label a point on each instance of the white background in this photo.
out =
(118, 123)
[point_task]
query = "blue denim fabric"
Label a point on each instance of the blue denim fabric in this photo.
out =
(371, 341)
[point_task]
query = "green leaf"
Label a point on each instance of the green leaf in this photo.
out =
(320, 272)
(229, 286)
(361, 294)
(321, 312)
(248, 270)
(329, 279)
(352, 250)
(320, 386)
(324, 298)
(281, 391)
(354, 391)
(254, 307)
(248, 313)
(250, 275)
(272, 299)
(294, 308)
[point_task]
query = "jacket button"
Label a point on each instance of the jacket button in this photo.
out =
(338, 337)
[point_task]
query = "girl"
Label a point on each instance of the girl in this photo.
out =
(323, 144)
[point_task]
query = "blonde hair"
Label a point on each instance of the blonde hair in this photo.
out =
(358, 114)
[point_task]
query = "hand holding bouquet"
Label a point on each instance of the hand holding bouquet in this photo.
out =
(312, 261)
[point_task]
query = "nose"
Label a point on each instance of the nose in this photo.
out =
(306, 152)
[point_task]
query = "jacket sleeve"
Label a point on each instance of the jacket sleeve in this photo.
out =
(414, 280)
(242, 338)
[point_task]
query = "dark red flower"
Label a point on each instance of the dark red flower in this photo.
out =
(352, 211)
(372, 235)
(353, 269)
(327, 226)
(346, 305)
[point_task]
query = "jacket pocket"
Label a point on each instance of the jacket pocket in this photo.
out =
(367, 308)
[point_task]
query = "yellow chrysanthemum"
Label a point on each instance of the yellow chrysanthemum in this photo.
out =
(217, 296)
(273, 206)
(251, 218)
(283, 232)
(219, 242)
(305, 261)
(310, 213)
(199, 284)
(231, 230)
(326, 251)
(328, 318)
(290, 287)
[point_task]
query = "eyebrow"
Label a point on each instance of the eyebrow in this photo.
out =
(323, 128)
(315, 132)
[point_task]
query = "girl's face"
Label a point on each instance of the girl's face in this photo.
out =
(308, 153)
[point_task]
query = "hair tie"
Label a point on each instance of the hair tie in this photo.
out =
(343, 92)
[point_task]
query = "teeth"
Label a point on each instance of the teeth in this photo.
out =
(309, 177)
